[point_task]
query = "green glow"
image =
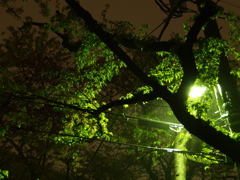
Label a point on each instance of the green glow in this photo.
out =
(197, 91)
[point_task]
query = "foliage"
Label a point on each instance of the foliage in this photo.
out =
(169, 68)
(3, 174)
(63, 83)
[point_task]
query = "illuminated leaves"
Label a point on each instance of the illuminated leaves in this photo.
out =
(169, 71)
(145, 89)
(3, 174)
(234, 33)
(104, 122)
(81, 78)
(208, 59)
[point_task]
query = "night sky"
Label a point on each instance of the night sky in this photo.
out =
(137, 12)
(141, 12)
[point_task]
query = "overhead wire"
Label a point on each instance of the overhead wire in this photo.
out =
(174, 125)
(229, 4)
(31, 98)
(127, 117)
(150, 120)
(170, 150)
(155, 28)
(164, 20)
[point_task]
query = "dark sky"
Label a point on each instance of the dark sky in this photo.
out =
(136, 11)
(146, 12)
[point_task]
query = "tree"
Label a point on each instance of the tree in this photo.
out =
(184, 51)
(100, 55)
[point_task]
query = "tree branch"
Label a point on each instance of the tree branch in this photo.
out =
(226, 79)
(66, 43)
(94, 27)
(205, 132)
(136, 98)
(145, 45)
(195, 126)
(185, 51)
(131, 43)
(209, 10)
(32, 97)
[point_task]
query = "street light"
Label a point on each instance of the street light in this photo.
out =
(197, 91)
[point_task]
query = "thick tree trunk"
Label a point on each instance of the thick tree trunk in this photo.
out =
(226, 80)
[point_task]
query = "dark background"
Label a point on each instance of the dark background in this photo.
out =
(137, 12)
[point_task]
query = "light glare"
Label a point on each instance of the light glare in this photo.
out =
(197, 91)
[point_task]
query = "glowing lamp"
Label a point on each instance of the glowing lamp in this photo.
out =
(196, 91)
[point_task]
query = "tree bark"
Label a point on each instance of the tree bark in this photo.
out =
(226, 80)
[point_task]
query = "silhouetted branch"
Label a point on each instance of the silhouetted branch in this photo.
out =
(195, 126)
(66, 43)
(94, 27)
(135, 99)
(144, 45)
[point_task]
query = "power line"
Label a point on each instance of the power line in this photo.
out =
(170, 150)
(155, 29)
(173, 126)
(32, 97)
(230, 4)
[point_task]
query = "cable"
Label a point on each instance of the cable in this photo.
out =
(125, 116)
(170, 150)
(30, 98)
(173, 125)
(229, 4)
(155, 29)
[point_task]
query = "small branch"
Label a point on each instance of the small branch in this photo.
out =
(145, 45)
(71, 46)
(32, 97)
(199, 159)
(136, 98)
